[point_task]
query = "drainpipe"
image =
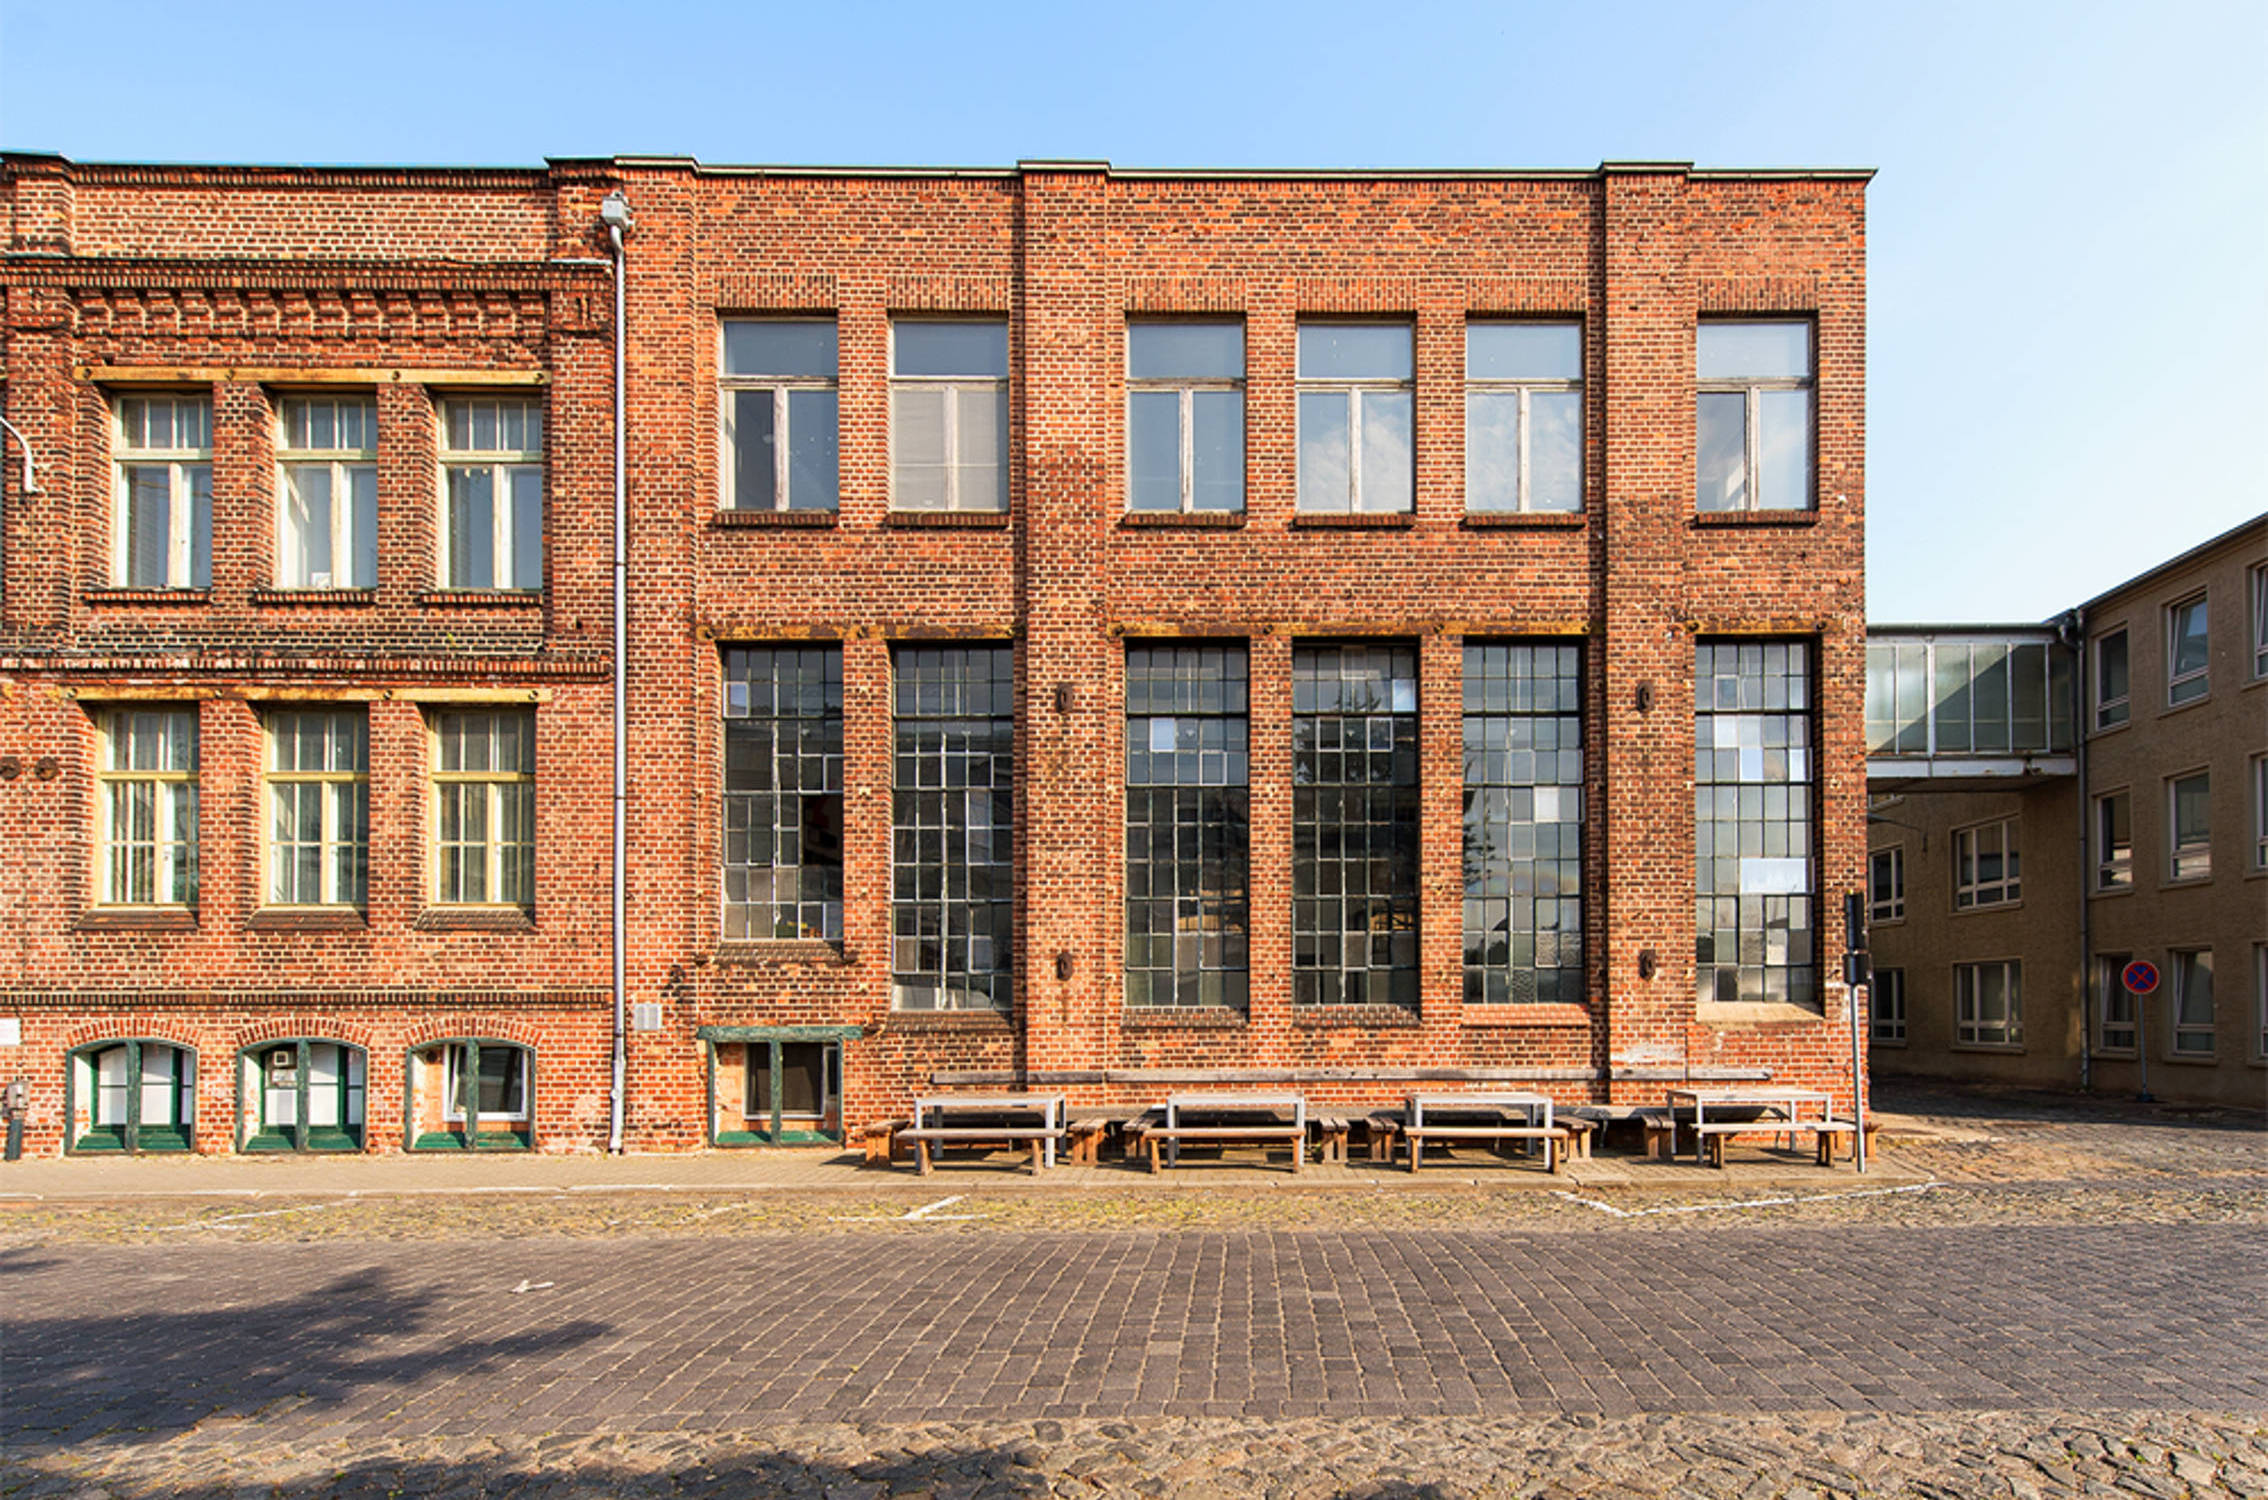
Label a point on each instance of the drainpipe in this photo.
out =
(614, 212)
(2071, 630)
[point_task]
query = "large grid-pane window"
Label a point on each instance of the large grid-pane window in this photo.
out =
(1988, 1003)
(949, 415)
(2189, 827)
(162, 513)
(2193, 1002)
(492, 460)
(1354, 825)
(1988, 865)
(779, 414)
(2112, 690)
(1356, 404)
(149, 807)
(1524, 417)
(783, 792)
(1187, 828)
(2114, 841)
(1756, 891)
(953, 871)
(1753, 419)
(484, 808)
(2189, 651)
(1185, 416)
(1886, 997)
(327, 526)
(318, 807)
(1523, 824)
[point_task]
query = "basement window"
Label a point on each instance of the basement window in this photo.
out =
(778, 1090)
(131, 1096)
(303, 1095)
(471, 1093)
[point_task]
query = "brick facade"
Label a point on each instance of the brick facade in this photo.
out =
(247, 284)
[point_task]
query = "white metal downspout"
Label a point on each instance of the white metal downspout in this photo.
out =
(615, 211)
(2074, 627)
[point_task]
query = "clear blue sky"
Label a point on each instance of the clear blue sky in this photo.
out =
(2069, 235)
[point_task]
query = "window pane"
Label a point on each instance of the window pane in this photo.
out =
(1555, 450)
(956, 348)
(1217, 449)
(1192, 351)
(363, 485)
(1354, 351)
(1721, 455)
(199, 478)
(307, 526)
(527, 528)
(1492, 451)
(1783, 450)
(1388, 477)
(981, 435)
(754, 459)
(917, 448)
(1753, 351)
(472, 528)
(813, 482)
(1524, 351)
(149, 524)
(1153, 450)
(1326, 452)
(780, 348)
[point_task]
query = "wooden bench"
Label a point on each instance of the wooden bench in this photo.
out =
(1383, 1128)
(1331, 1135)
(1575, 1133)
(1156, 1138)
(881, 1139)
(1087, 1138)
(1418, 1135)
(937, 1137)
(1825, 1134)
(1661, 1134)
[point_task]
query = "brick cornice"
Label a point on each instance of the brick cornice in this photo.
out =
(454, 278)
(269, 669)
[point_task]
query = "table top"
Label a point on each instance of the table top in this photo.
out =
(1750, 1096)
(989, 1101)
(1458, 1100)
(1236, 1101)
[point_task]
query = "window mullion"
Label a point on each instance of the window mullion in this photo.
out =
(1188, 399)
(952, 430)
(1354, 450)
(780, 469)
(178, 525)
(1520, 437)
(133, 1094)
(304, 1054)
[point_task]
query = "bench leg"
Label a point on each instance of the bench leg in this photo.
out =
(1417, 1151)
(1298, 1155)
(1039, 1156)
(1154, 1144)
(921, 1157)
(1551, 1155)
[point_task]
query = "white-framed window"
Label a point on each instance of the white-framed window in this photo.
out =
(149, 807)
(2258, 581)
(949, 414)
(484, 807)
(2260, 812)
(1988, 1003)
(1753, 417)
(499, 1079)
(1185, 416)
(2260, 1002)
(327, 511)
(162, 513)
(2111, 689)
(1886, 884)
(318, 807)
(2189, 826)
(1987, 865)
(778, 413)
(2192, 1002)
(492, 464)
(2188, 651)
(1357, 403)
(2115, 1027)
(1887, 1000)
(1523, 417)
(2114, 841)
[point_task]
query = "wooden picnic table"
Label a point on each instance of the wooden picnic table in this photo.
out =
(1245, 1118)
(1511, 1116)
(1770, 1111)
(983, 1119)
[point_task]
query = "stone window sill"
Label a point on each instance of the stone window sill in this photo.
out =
(771, 520)
(797, 952)
(282, 598)
(307, 919)
(137, 919)
(1190, 1018)
(475, 919)
(1526, 1015)
(950, 1020)
(1364, 1017)
(170, 597)
(1755, 1013)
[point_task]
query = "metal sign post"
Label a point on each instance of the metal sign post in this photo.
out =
(1856, 972)
(2141, 979)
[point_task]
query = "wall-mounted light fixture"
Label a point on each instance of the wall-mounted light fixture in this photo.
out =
(23, 445)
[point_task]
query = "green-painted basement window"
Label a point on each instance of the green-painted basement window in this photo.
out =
(133, 1096)
(304, 1096)
(472, 1095)
(787, 1093)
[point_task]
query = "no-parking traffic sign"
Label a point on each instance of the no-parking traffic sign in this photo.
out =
(2140, 977)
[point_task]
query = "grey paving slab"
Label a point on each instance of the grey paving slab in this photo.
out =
(130, 1344)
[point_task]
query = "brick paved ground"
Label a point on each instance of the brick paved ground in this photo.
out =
(2069, 1311)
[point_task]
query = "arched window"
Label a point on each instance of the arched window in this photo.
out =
(131, 1095)
(302, 1095)
(469, 1093)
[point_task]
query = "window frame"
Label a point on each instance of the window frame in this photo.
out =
(272, 779)
(1973, 895)
(493, 844)
(1187, 388)
(2110, 984)
(2112, 872)
(1525, 387)
(1886, 911)
(731, 384)
(953, 988)
(1886, 1008)
(1002, 385)
(461, 1131)
(341, 464)
(1753, 389)
(2182, 966)
(2198, 853)
(2111, 713)
(1724, 908)
(750, 913)
(2256, 578)
(1969, 1030)
(2260, 1003)
(1356, 389)
(183, 501)
(2195, 685)
(501, 463)
(2258, 783)
(174, 861)
(1554, 686)
(1217, 954)
(257, 1135)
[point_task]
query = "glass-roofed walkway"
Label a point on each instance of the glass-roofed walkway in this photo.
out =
(1966, 703)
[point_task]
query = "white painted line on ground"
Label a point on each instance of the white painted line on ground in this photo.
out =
(1706, 1208)
(532, 1286)
(234, 1219)
(926, 1214)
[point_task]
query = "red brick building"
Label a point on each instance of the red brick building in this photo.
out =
(1088, 628)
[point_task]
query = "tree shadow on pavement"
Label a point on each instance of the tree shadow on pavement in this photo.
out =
(91, 1377)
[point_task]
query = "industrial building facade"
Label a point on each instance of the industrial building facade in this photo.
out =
(1086, 628)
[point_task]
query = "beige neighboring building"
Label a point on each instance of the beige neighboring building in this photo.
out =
(2016, 868)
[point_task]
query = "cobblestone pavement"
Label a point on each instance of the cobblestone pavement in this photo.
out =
(2065, 1302)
